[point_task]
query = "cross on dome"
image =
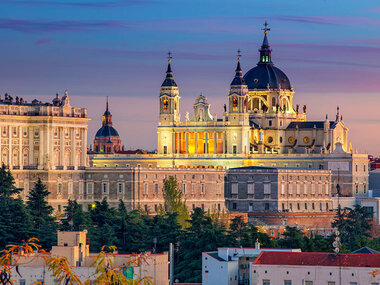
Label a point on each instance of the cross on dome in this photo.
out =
(266, 29)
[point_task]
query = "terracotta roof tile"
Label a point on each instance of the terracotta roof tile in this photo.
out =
(318, 259)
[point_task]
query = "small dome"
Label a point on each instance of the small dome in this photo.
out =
(266, 75)
(106, 131)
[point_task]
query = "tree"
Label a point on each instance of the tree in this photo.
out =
(354, 227)
(293, 238)
(246, 235)
(44, 223)
(104, 220)
(204, 234)
(15, 222)
(173, 201)
(75, 218)
(7, 183)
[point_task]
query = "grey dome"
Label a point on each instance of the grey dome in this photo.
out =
(106, 131)
(266, 75)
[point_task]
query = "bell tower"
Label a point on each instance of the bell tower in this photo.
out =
(238, 95)
(169, 99)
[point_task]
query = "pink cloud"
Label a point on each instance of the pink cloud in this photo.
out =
(43, 41)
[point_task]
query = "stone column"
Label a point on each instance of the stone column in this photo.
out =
(173, 142)
(73, 149)
(224, 142)
(84, 146)
(31, 145)
(195, 143)
(20, 152)
(178, 141)
(62, 145)
(206, 142)
(10, 151)
(41, 148)
(215, 142)
(187, 142)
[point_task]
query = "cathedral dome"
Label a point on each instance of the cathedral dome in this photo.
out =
(265, 76)
(106, 131)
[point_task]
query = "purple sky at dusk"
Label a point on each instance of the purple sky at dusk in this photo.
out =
(330, 50)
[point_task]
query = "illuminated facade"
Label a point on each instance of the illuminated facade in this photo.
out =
(259, 119)
(260, 127)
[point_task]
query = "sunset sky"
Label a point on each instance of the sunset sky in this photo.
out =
(330, 51)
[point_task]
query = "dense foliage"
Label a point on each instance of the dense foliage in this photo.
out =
(135, 231)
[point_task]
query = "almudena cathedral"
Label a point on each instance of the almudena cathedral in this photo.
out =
(261, 155)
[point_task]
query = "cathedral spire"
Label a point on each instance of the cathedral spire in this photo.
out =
(265, 50)
(107, 117)
(238, 79)
(169, 80)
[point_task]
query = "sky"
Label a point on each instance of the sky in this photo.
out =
(330, 51)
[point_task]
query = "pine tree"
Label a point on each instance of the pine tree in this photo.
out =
(15, 222)
(75, 218)
(7, 183)
(44, 223)
(204, 234)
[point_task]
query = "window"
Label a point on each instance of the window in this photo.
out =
(90, 188)
(308, 282)
(313, 206)
(70, 188)
(234, 149)
(266, 282)
(104, 188)
(251, 188)
(165, 149)
(353, 283)
(356, 167)
(156, 188)
(59, 189)
(22, 282)
(357, 188)
(235, 104)
(327, 206)
(305, 206)
(283, 207)
(165, 104)
(291, 207)
(267, 188)
(266, 206)
(81, 187)
(193, 188)
(120, 188)
(155, 208)
(145, 189)
(234, 206)
(270, 122)
(203, 207)
(287, 282)
(364, 188)
(202, 188)
(184, 188)
(298, 206)
(234, 188)
(331, 283)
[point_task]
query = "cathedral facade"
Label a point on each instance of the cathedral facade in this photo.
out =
(260, 126)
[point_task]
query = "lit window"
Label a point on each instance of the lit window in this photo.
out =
(165, 104)
(235, 104)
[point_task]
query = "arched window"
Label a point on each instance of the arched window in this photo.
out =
(165, 104)
(234, 104)
(273, 101)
